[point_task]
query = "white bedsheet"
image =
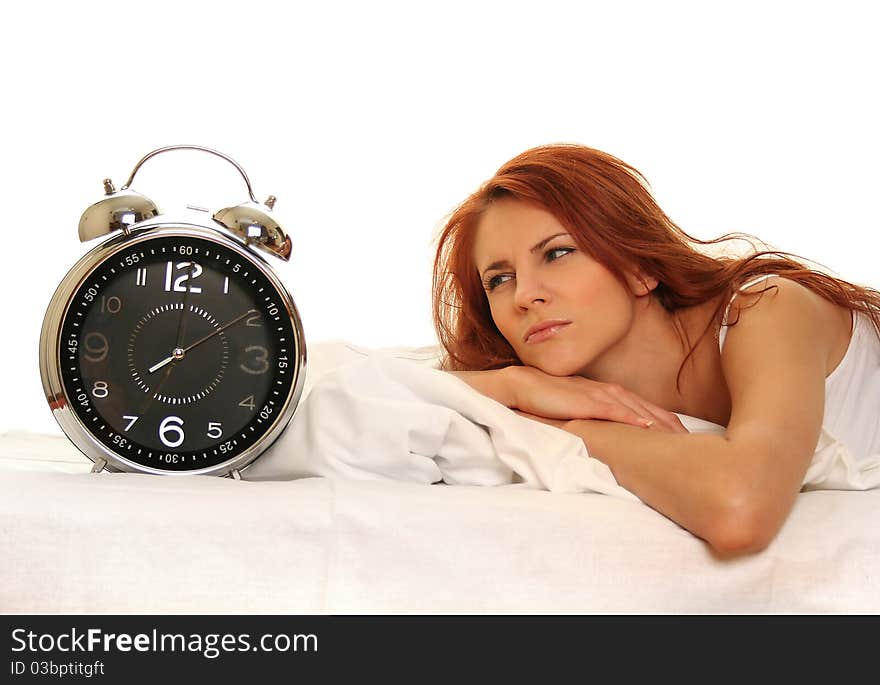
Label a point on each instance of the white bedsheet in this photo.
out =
(130, 543)
(76, 542)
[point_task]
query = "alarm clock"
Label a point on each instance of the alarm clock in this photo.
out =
(173, 347)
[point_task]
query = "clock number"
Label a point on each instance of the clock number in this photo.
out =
(171, 426)
(253, 321)
(179, 286)
(260, 360)
(131, 420)
(110, 304)
(215, 430)
(247, 402)
(100, 390)
(96, 347)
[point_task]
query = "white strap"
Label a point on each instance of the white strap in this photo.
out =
(722, 333)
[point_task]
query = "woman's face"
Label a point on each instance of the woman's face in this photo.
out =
(534, 273)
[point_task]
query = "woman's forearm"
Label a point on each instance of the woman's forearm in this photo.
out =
(692, 478)
(494, 383)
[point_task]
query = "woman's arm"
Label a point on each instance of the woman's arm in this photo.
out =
(494, 383)
(693, 479)
(735, 491)
(553, 398)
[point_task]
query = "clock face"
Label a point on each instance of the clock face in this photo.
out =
(178, 353)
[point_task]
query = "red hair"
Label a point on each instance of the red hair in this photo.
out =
(606, 206)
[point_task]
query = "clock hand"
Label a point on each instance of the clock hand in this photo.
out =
(178, 352)
(211, 335)
(162, 363)
(153, 395)
(181, 327)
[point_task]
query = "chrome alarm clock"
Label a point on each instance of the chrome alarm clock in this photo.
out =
(173, 347)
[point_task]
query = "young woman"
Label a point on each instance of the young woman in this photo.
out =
(562, 290)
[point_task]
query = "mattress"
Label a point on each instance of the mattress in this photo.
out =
(77, 542)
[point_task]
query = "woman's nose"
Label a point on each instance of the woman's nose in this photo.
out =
(529, 290)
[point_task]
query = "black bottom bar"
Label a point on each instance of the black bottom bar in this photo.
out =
(259, 648)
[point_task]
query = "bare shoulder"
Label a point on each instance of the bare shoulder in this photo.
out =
(767, 320)
(774, 363)
(781, 306)
(775, 290)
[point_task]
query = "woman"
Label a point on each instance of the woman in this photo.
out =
(562, 290)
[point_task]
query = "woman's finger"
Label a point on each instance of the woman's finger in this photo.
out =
(666, 419)
(634, 403)
(654, 413)
(615, 411)
(657, 416)
(669, 422)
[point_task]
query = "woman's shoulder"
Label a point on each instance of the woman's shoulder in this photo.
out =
(748, 293)
(784, 300)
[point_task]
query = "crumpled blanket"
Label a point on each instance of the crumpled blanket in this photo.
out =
(835, 467)
(380, 416)
(383, 417)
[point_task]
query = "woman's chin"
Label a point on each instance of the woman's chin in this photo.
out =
(556, 367)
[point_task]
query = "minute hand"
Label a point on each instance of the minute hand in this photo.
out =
(220, 330)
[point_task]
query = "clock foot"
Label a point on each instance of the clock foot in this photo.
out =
(99, 466)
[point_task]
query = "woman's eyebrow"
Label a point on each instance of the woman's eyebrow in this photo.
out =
(503, 262)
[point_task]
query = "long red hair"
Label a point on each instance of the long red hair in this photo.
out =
(606, 206)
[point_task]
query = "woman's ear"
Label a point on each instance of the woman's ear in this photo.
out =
(641, 284)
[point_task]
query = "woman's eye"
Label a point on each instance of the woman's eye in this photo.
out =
(551, 251)
(550, 255)
(492, 283)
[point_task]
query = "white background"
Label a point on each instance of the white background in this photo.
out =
(371, 121)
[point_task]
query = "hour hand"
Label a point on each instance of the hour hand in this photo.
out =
(176, 354)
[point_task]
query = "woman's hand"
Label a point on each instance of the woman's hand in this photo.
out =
(562, 398)
(557, 423)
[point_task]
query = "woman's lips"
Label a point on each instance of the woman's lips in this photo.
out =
(545, 333)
